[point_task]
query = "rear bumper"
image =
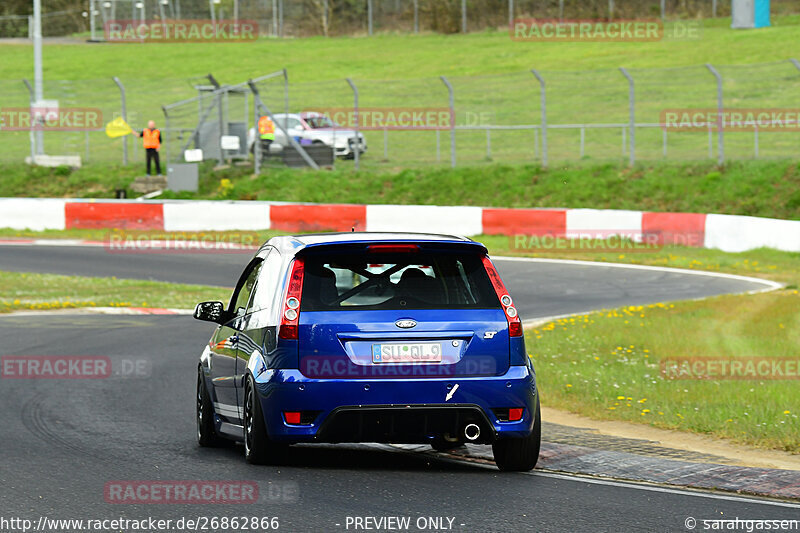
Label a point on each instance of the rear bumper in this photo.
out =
(400, 411)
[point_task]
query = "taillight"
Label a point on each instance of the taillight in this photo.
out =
(291, 303)
(514, 322)
(292, 417)
(515, 414)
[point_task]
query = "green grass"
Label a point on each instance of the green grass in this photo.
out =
(50, 291)
(490, 74)
(763, 188)
(315, 58)
(607, 365)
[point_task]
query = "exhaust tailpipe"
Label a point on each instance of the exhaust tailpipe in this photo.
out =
(472, 432)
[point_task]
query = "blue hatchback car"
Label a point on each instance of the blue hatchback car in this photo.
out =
(368, 337)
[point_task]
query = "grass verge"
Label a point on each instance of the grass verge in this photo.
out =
(756, 188)
(22, 291)
(607, 365)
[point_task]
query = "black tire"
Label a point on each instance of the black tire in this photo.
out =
(258, 449)
(520, 455)
(206, 436)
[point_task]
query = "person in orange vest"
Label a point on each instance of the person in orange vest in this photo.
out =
(151, 138)
(266, 132)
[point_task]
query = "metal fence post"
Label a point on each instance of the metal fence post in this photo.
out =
(280, 18)
(166, 144)
(720, 136)
(416, 16)
(369, 17)
(463, 16)
(631, 102)
(543, 105)
(124, 117)
(256, 143)
(663, 9)
(163, 16)
(285, 91)
(452, 121)
(221, 120)
(610, 9)
(714, 8)
(755, 139)
(92, 22)
(274, 18)
(357, 145)
(31, 99)
(510, 13)
(561, 10)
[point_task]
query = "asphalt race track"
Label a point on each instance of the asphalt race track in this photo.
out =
(62, 441)
(540, 289)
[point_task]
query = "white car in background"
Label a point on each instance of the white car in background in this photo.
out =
(314, 128)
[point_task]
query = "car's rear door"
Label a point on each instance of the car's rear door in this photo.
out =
(404, 310)
(225, 346)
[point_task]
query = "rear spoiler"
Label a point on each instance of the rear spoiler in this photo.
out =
(390, 245)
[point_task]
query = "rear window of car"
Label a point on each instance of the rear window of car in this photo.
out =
(408, 280)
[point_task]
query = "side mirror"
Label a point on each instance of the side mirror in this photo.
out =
(210, 311)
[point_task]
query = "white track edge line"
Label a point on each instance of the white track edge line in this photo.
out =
(771, 285)
(655, 488)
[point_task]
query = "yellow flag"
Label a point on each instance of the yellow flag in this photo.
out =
(118, 128)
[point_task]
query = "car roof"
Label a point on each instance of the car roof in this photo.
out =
(295, 243)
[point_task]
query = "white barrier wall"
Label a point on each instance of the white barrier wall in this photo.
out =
(216, 216)
(730, 233)
(733, 233)
(32, 213)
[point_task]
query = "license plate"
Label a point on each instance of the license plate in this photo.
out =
(417, 352)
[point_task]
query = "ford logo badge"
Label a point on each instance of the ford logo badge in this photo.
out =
(406, 323)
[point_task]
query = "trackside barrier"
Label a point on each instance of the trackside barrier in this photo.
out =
(216, 215)
(730, 233)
